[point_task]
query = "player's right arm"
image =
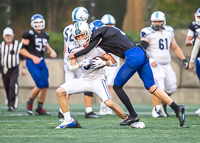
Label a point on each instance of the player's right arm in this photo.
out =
(24, 51)
(190, 39)
(194, 53)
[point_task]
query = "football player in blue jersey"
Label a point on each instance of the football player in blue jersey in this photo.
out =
(78, 14)
(113, 40)
(35, 42)
(192, 36)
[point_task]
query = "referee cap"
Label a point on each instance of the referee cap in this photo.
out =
(8, 31)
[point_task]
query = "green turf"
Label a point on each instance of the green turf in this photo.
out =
(17, 127)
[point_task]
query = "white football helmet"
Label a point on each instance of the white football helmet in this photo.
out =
(81, 28)
(37, 22)
(196, 16)
(80, 14)
(158, 16)
(108, 19)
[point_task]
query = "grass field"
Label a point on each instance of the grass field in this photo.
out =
(18, 127)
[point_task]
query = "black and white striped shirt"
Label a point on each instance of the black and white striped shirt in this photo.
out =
(10, 54)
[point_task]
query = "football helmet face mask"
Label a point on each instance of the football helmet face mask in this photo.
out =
(37, 22)
(108, 19)
(80, 14)
(96, 24)
(81, 28)
(158, 16)
(197, 16)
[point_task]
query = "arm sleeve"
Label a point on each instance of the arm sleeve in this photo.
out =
(195, 50)
(89, 48)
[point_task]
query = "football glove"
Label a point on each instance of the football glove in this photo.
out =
(86, 62)
(98, 63)
(185, 64)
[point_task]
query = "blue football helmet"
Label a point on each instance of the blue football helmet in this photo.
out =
(80, 14)
(37, 22)
(108, 19)
(197, 16)
(96, 24)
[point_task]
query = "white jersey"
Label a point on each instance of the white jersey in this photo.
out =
(68, 39)
(159, 43)
(88, 73)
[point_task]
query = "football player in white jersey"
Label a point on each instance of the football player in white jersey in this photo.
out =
(192, 38)
(158, 39)
(78, 14)
(92, 75)
(110, 72)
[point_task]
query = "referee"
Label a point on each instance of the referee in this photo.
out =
(10, 58)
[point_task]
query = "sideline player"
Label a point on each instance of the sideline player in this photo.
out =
(193, 31)
(35, 42)
(92, 76)
(110, 72)
(78, 14)
(113, 40)
(160, 39)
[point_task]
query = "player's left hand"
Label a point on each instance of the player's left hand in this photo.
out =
(191, 66)
(53, 54)
(185, 64)
(98, 63)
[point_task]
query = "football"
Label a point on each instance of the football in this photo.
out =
(95, 58)
(138, 125)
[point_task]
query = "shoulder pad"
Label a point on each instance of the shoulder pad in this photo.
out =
(31, 32)
(73, 47)
(168, 28)
(146, 31)
(194, 23)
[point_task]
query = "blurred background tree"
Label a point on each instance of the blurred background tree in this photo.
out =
(130, 15)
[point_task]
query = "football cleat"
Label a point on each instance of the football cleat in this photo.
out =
(40, 111)
(67, 124)
(156, 112)
(108, 111)
(130, 120)
(181, 115)
(60, 115)
(164, 110)
(138, 125)
(91, 115)
(197, 112)
(102, 111)
(10, 108)
(29, 108)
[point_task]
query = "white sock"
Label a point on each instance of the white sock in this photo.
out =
(60, 110)
(102, 104)
(88, 109)
(67, 116)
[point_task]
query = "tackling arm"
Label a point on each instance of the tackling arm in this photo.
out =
(93, 44)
